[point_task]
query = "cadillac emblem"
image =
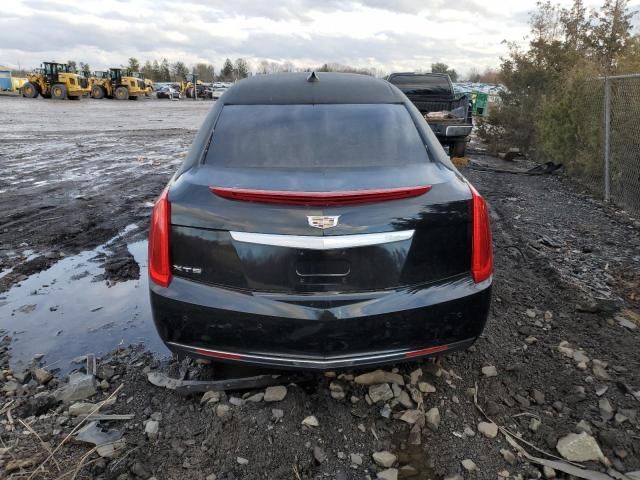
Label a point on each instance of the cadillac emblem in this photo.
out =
(322, 221)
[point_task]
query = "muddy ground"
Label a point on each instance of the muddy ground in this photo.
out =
(567, 270)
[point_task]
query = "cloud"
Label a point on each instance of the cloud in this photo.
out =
(383, 34)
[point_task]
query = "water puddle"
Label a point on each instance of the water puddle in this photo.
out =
(65, 312)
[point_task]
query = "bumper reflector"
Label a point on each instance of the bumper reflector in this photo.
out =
(427, 351)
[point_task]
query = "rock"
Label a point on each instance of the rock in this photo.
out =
(151, 429)
(490, 371)
(405, 400)
(538, 396)
(388, 474)
(580, 447)
(80, 387)
(311, 421)
(454, 476)
(580, 357)
(236, 401)
(81, 408)
(548, 472)
(606, 410)
(11, 387)
(211, 476)
(384, 459)
(356, 459)
(276, 393)
(222, 410)
(488, 429)
(277, 414)
(583, 426)
(255, 398)
(433, 418)
(601, 390)
(16, 465)
(503, 474)
(530, 313)
(534, 424)
(565, 349)
(42, 376)
(380, 392)
(415, 376)
(22, 376)
(623, 322)
(110, 450)
(469, 465)
(242, 461)
(337, 391)
(599, 370)
(210, 398)
(319, 455)
(415, 436)
(530, 340)
(620, 418)
(411, 416)
(139, 469)
(468, 431)
(508, 456)
(396, 389)
(379, 376)
(385, 411)
(426, 387)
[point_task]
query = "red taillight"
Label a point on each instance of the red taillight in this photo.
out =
(320, 198)
(159, 265)
(481, 247)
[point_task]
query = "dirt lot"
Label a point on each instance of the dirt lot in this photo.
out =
(72, 272)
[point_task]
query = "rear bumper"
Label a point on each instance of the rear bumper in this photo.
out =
(320, 332)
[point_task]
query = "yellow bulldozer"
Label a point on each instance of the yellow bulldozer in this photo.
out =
(117, 84)
(57, 81)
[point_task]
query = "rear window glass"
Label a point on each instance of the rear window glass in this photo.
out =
(422, 84)
(308, 136)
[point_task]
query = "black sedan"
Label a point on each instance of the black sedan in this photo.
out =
(168, 92)
(317, 223)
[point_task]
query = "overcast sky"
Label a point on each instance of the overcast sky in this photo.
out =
(388, 35)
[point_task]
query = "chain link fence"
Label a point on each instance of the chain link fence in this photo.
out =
(607, 157)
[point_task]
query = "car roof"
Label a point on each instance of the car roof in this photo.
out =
(296, 88)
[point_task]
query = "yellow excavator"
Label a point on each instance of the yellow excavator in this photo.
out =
(116, 84)
(57, 81)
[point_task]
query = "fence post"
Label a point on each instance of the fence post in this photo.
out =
(607, 133)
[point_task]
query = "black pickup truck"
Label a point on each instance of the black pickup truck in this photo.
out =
(449, 117)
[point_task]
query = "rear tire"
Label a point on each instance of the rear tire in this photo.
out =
(59, 92)
(458, 149)
(29, 90)
(121, 93)
(98, 92)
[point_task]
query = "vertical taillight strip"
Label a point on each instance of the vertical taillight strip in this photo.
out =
(482, 246)
(159, 264)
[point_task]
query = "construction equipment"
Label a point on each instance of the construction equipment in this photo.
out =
(117, 84)
(148, 84)
(57, 81)
(187, 85)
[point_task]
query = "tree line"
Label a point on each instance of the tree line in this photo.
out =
(163, 71)
(554, 88)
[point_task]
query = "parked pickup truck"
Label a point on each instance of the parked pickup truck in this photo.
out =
(449, 117)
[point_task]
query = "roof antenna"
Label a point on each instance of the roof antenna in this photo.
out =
(313, 77)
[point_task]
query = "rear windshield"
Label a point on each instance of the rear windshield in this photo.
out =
(422, 84)
(309, 136)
